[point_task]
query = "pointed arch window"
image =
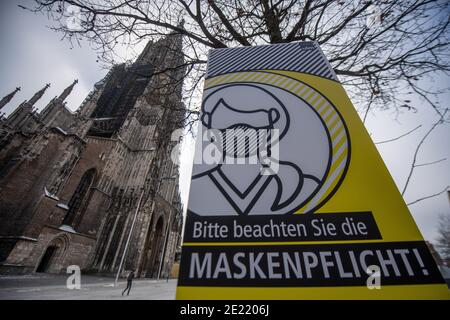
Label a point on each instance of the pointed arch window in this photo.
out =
(77, 203)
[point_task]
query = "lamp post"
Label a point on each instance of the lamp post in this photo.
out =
(129, 237)
(165, 246)
(165, 240)
(132, 228)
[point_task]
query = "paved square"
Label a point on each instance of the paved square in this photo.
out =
(53, 287)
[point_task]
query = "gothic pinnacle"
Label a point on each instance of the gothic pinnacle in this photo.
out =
(38, 95)
(8, 98)
(67, 90)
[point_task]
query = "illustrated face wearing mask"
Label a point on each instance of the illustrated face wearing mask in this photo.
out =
(237, 168)
(241, 136)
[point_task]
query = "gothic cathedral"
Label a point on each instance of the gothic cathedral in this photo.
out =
(96, 188)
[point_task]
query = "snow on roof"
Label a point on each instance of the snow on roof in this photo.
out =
(50, 195)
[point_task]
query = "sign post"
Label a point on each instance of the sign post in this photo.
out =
(289, 197)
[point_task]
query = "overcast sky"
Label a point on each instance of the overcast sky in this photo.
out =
(32, 55)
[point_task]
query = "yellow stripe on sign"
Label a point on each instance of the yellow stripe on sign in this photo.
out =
(322, 108)
(325, 110)
(318, 103)
(336, 132)
(299, 89)
(339, 159)
(268, 78)
(337, 141)
(253, 78)
(329, 116)
(315, 100)
(337, 165)
(212, 82)
(232, 78)
(243, 76)
(302, 90)
(273, 80)
(236, 77)
(328, 185)
(293, 86)
(337, 154)
(289, 84)
(259, 76)
(400, 292)
(264, 77)
(281, 81)
(331, 120)
(312, 93)
(335, 126)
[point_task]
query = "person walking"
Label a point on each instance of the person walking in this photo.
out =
(129, 283)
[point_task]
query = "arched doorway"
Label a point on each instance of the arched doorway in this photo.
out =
(154, 254)
(53, 258)
(46, 259)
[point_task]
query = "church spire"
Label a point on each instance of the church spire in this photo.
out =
(67, 90)
(8, 98)
(38, 95)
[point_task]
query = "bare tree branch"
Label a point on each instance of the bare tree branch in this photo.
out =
(430, 163)
(428, 197)
(384, 52)
(419, 146)
(401, 136)
(381, 50)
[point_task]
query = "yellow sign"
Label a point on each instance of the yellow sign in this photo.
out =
(289, 197)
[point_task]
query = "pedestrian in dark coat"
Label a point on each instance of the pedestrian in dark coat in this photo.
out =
(129, 283)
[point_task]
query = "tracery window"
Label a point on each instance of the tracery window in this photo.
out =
(77, 203)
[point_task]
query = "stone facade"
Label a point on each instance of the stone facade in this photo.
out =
(96, 188)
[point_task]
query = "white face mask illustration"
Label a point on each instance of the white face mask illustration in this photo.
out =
(237, 135)
(255, 170)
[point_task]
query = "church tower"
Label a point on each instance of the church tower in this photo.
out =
(81, 184)
(141, 105)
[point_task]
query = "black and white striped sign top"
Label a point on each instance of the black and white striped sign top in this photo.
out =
(303, 57)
